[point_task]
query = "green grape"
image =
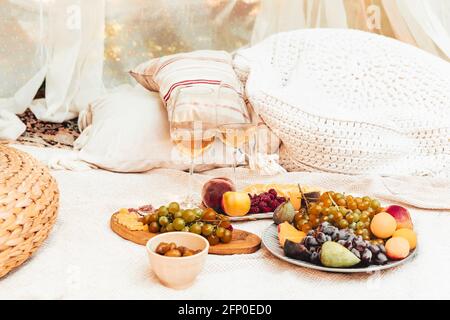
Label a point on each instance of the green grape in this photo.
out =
(198, 213)
(364, 216)
(163, 221)
(163, 229)
(343, 224)
(189, 216)
(375, 204)
(179, 224)
(207, 229)
(227, 236)
(174, 207)
(355, 217)
(220, 232)
(352, 225)
(162, 211)
(213, 239)
(169, 227)
(196, 228)
(185, 229)
(349, 218)
(178, 214)
(360, 225)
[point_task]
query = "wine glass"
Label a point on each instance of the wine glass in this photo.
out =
(193, 127)
(235, 134)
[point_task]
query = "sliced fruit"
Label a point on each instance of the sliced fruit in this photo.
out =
(286, 231)
(407, 234)
(335, 255)
(402, 216)
(236, 204)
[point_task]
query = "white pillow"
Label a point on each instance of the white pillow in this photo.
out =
(128, 131)
(351, 102)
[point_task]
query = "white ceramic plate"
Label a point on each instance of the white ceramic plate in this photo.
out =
(270, 241)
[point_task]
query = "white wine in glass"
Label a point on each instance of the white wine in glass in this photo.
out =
(236, 135)
(190, 141)
(190, 132)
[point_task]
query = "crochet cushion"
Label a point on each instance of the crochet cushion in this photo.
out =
(351, 102)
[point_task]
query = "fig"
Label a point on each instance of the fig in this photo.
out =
(285, 212)
(296, 251)
(213, 191)
(335, 255)
(312, 196)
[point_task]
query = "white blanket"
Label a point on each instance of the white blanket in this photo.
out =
(83, 258)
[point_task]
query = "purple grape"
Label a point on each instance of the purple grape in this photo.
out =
(381, 258)
(374, 249)
(321, 237)
(311, 241)
(366, 257)
(356, 253)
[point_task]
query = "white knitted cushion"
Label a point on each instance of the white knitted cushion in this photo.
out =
(352, 102)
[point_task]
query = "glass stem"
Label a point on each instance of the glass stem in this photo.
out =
(234, 165)
(190, 185)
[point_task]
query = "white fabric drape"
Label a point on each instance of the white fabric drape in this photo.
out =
(277, 16)
(429, 22)
(425, 24)
(72, 51)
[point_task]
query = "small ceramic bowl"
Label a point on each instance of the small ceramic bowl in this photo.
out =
(178, 272)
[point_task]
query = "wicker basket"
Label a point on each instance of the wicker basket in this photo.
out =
(29, 200)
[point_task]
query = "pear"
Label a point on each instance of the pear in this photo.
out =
(335, 255)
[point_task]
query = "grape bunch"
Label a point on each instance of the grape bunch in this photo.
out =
(368, 252)
(265, 202)
(341, 211)
(214, 227)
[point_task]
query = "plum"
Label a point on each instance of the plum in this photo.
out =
(213, 191)
(401, 215)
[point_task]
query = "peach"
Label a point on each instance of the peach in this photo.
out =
(407, 234)
(383, 225)
(397, 248)
(213, 191)
(401, 215)
(236, 204)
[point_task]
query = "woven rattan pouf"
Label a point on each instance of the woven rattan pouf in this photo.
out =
(29, 200)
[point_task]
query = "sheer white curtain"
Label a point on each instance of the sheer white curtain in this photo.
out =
(423, 23)
(68, 54)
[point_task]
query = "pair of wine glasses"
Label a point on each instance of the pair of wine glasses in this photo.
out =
(199, 114)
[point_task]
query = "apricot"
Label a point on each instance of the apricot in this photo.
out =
(383, 225)
(407, 234)
(397, 248)
(236, 204)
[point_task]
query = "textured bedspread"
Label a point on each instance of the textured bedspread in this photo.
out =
(83, 258)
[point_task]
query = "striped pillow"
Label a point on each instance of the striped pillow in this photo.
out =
(198, 68)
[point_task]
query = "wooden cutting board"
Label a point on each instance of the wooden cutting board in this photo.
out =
(242, 242)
